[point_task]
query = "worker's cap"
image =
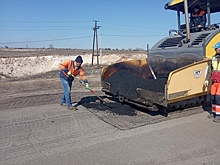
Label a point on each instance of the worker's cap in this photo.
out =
(79, 59)
(217, 45)
(197, 7)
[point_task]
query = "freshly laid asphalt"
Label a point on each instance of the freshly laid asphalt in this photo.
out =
(49, 134)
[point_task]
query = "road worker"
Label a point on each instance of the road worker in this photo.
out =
(197, 19)
(68, 70)
(214, 73)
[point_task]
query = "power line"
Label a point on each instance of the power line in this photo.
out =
(43, 22)
(109, 35)
(45, 40)
(135, 26)
(47, 26)
(128, 35)
(58, 29)
(39, 29)
(11, 28)
(125, 30)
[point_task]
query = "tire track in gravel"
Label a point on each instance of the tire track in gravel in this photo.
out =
(36, 92)
(28, 134)
(38, 100)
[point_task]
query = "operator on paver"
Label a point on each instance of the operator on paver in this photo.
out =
(214, 73)
(70, 69)
(197, 19)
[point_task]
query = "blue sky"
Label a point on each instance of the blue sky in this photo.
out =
(68, 23)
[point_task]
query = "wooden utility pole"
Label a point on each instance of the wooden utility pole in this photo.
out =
(95, 41)
(101, 49)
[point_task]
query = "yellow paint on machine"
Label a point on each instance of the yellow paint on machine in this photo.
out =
(174, 2)
(188, 82)
(209, 47)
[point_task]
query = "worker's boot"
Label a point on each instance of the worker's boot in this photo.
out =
(217, 119)
(72, 108)
(63, 104)
(211, 116)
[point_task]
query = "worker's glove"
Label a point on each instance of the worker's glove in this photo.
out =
(69, 73)
(87, 86)
(206, 83)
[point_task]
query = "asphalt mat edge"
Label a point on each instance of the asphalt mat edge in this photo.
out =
(125, 117)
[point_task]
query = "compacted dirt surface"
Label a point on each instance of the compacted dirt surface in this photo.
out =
(46, 89)
(35, 129)
(42, 89)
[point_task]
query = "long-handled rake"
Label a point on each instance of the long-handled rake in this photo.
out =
(83, 84)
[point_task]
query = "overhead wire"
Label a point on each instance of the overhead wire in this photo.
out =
(135, 26)
(72, 27)
(127, 35)
(46, 40)
(54, 29)
(44, 21)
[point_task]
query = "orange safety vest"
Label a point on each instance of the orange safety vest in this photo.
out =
(69, 64)
(201, 13)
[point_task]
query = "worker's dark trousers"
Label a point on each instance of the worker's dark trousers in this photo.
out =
(66, 97)
(215, 98)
